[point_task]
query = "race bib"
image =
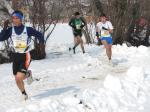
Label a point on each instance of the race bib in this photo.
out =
(20, 44)
(78, 27)
(105, 33)
(78, 24)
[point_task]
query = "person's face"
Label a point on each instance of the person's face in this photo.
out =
(142, 22)
(16, 21)
(103, 19)
(77, 16)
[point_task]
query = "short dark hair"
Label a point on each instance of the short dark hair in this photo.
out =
(103, 15)
(76, 13)
(18, 11)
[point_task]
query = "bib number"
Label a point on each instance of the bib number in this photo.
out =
(20, 45)
(78, 24)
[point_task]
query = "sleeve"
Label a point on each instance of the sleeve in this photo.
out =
(5, 34)
(36, 34)
(98, 27)
(71, 22)
(110, 25)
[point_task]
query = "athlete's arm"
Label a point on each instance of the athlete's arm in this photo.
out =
(110, 30)
(97, 28)
(83, 21)
(36, 34)
(110, 27)
(71, 23)
(97, 32)
(5, 34)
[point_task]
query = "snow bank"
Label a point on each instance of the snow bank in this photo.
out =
(118, 95)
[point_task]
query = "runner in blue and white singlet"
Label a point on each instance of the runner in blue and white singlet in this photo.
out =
(103, 31)
(19, 36)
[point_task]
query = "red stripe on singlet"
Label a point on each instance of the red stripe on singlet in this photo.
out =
(28, 59)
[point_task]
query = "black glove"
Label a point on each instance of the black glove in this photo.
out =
(73, 27)
(97, 34)
(6, 24)
(104, 28)
(82, 26)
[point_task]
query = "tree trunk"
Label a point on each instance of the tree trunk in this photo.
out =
(39, 52)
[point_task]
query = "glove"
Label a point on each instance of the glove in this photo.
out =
(98, 38)
(97, 34)
(104, 28)
(82, 26)
(6, 24)
(73, 27)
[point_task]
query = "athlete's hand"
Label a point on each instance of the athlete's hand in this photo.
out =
(97, 34)
(82, 26)
(110, 30)
(97, 38)
(73, 27)
(6, 24)
(106, 32)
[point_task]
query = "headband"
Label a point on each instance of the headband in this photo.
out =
(20, 16)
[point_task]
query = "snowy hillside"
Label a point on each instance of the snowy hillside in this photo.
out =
(65, 82)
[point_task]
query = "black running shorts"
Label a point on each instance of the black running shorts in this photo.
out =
(21, 62)
(77, 33)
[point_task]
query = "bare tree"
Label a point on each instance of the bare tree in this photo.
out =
(122, 13)
(44, 14)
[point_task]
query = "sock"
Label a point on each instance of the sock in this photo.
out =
(24, 92)
(69, 49)
(75, 46)
(83, 50)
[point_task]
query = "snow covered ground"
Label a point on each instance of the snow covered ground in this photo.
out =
(81, 82)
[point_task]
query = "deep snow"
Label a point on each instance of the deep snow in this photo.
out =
(81, 82)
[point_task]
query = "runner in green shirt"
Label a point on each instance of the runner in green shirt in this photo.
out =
(77, 23)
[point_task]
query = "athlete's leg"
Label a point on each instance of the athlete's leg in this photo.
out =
(108, 49)
(19, 77)
(76, 43)
(20, 68)
(82, 46)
